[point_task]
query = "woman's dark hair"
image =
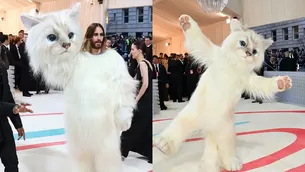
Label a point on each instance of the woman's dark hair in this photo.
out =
(140, 45)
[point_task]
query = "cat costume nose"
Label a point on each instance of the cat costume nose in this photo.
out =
(248, 53)
(66, 45)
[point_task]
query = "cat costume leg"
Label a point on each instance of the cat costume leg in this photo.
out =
(229, 74)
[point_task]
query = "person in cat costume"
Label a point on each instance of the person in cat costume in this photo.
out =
(230, 71)
(100, 95)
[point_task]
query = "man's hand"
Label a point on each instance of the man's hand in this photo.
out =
(22, 108)
(21, 133)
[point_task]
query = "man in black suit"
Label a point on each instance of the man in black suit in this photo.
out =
(6, 47)
(8, 108)
(192, 76)
(159, 72)
(25, 69)
(14, 50)
(148, 49)
(176, 70)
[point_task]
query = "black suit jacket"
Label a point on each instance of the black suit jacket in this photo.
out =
(148, 53)
(4, 63)
(175, 67)
(14, 53)
(10, 57)
(162, 74)
(6, 109)
(8, 97)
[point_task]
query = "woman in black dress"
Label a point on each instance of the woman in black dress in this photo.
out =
(139, 137)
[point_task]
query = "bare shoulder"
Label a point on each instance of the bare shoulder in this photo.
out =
(143, 64)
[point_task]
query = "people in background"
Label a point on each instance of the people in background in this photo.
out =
(159, 73)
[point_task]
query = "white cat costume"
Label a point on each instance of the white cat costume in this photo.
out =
(99, 92)
(230, 72)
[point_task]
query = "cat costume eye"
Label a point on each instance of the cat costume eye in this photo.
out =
(242, 43)
(70, 35)
(53, 37)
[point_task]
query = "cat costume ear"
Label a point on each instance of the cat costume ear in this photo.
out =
(75, 11)
(30, 21)
(235, 25)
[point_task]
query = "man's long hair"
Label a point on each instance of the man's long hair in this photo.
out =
(89, 35)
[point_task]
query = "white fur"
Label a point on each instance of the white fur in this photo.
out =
(229, 73)
(99, 92)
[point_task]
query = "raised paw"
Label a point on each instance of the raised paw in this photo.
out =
(185, 22)
(284, 83)
(231, 164)
(162, 144)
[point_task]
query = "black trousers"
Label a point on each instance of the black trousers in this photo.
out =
(8, 152)
(17, 76)
(177, 88)
(161, 86)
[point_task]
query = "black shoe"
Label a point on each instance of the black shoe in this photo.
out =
(181, 101)
(163, 108)
(26, 94)
(255, 101)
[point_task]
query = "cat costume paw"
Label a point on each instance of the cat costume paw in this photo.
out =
(283, 83)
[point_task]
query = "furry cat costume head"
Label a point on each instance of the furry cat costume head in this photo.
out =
(244, 47)
(53, 38)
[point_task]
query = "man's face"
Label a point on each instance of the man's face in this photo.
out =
(147, 41)
(108, 43)
(21, 34)
(113, 40)
(25, 37)
(10, 38)
(97, 39)
(155, 60)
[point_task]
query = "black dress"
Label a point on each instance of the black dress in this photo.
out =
(139, 137)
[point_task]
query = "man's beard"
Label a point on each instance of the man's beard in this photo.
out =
(96, 44)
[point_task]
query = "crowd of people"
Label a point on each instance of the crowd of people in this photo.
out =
(178, 75)
(285, 60)
(123, 44)
(14, 51)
